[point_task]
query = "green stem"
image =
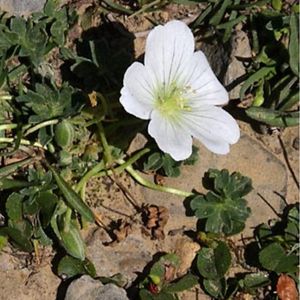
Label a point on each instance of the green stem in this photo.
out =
(41, 125)
(23, 142)
(107, 154)
(5, 97)
(87, 176)
(8, 126)
(96, 170)
(154, 186)
(145, 7)
(123, 164)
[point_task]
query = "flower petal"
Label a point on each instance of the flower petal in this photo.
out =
(202, 86)
(213, 126)
(137, 95)
(170, 136)
(168, 49)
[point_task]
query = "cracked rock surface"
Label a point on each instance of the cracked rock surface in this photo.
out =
(21, 7)
(88, 288)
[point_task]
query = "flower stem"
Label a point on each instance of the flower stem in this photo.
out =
(5, 97)
(154, 186)
(145, 7)
(8, 126)
(96, 171)
(107, 153)
(23, 142)
(41, 125)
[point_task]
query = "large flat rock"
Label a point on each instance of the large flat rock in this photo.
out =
(21, 7)
(250, 158)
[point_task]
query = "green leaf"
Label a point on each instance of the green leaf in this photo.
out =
(234, 185)
(170, 166)
(71, 197)
(277, 4)
(193, 158)
(14, 207)
(216, 288)
(146, 295)
(154, 162)
(292, 228)
(214, 263)
(42, 237)
(289, 101)
(7, 184)
(50, 8)
(48, 102)
(274, 258)
(165, 296)
(230, 24)
(18, 25)
(224, 209)
(117, 279)
(204, 206)
(13, 167)
(118, 7)
(273, 117)
(157, 272)
(222, 258)
(202, 17)
(47, 202)
(30, 206)
(59, 27)
(69, 267)
(262, 73)
(164, 163)
(184, 283)
(19, 239)
(72, 241)
(220, 12)
(251, 282)
(294, 44)
(57, 30)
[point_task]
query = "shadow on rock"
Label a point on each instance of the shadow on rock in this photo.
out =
(102, 56)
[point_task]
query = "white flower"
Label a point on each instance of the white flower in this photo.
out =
(177, 90)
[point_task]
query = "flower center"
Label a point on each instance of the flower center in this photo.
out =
(171, 100)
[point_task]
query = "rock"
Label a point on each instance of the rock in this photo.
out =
(217, 56)
(6, 262)
(21, 7)
(23, 284)
(128, 257)
(186, 250)
(250, 158)
(241, 49)
(88, 288)
(138, 143)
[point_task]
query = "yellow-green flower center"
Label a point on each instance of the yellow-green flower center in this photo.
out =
(171, 100)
